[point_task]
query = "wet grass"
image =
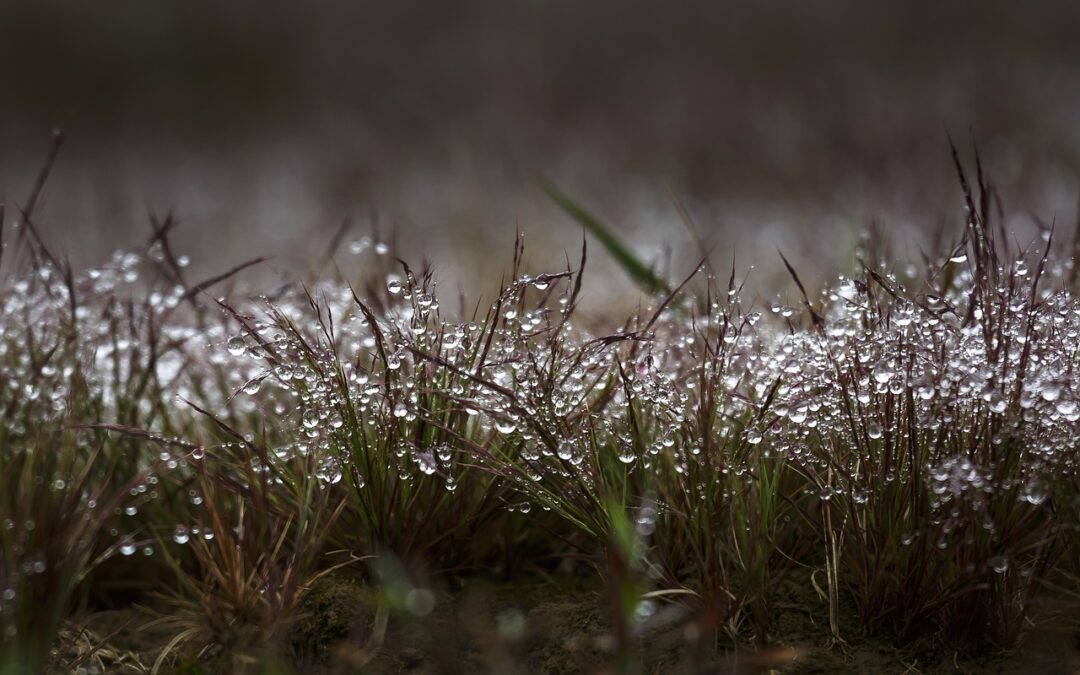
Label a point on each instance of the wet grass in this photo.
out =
(902, 444)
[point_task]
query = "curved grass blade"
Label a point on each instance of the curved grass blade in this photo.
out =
(638, 271)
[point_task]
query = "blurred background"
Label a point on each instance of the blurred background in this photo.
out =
(263, 124)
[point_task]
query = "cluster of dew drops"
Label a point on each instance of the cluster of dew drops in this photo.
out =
(933, 357)
(82, 338)
(529, 346)
(315, 366)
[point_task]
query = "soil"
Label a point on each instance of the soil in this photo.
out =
(551, 626)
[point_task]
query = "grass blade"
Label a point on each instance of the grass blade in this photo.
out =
(636, 269)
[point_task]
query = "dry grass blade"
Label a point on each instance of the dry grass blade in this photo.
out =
(816, 318)
(218, 278)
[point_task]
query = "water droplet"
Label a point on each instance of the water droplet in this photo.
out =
(1034, 492)
(426, 462)
(420, 602)
(236, 345)
(645, 609)
(883, 374)
(1066, 408)
(999, 564)
(1050, 392)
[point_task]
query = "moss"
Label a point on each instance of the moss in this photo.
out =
(334, 610)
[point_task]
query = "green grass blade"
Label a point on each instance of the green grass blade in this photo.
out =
(638, 271)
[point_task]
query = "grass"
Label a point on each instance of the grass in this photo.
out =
(905, 442)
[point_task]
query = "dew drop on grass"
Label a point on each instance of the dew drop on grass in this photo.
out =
(236, 345)
(565, 450)
(645, 522)
(1050, 393)
(400, 410)
(1034, 492)
(181, 534)
(883, 374)
(393, 285)
(999, 564)
(1067, 408)
(311, 419)
(253, 386)
(426, 462)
